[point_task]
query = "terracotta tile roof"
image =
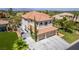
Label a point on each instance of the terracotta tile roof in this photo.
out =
(47, 29)
(43, 30)
(3, 22)
(37, 15)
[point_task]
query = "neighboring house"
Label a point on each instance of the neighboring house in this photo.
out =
(43, 21)
(76, 18)
(3, 25)
(3, 15)
(61, 15)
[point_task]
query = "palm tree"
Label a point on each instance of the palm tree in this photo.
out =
(13, 19)
(17, 20)
(11, 12)
(31, 31)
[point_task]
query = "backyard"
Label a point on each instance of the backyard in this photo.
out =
(7, 40)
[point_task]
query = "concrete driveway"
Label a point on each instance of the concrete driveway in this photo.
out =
(52, 43)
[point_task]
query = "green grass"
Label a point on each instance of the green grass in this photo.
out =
(69, 37)
(7, 40)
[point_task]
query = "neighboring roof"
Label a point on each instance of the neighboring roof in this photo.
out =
(58, 16)
(37, 15)
(43, 30)
(65, 14)
(51, 43)
(3, 22)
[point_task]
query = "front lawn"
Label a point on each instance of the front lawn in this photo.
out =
(7, 40)
(69, 37)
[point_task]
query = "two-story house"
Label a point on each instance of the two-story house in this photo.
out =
(43, 22)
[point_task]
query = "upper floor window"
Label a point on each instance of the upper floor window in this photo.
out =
(45, 23)
(50, 21)
(41, 23)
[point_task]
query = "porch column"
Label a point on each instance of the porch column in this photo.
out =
(45, 36)
(37, 39)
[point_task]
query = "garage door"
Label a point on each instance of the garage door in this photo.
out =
(42, 36)
(49, 34)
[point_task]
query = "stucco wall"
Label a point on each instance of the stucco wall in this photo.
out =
(24, 23)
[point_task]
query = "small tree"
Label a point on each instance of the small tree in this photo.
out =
(20, 44)
(31, 32)
(35, 29)
(11, 12)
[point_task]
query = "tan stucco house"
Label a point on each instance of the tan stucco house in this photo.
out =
(43, 21)
(65, 14)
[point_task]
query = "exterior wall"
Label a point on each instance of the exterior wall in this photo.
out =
(24, 23)
(43, 24)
